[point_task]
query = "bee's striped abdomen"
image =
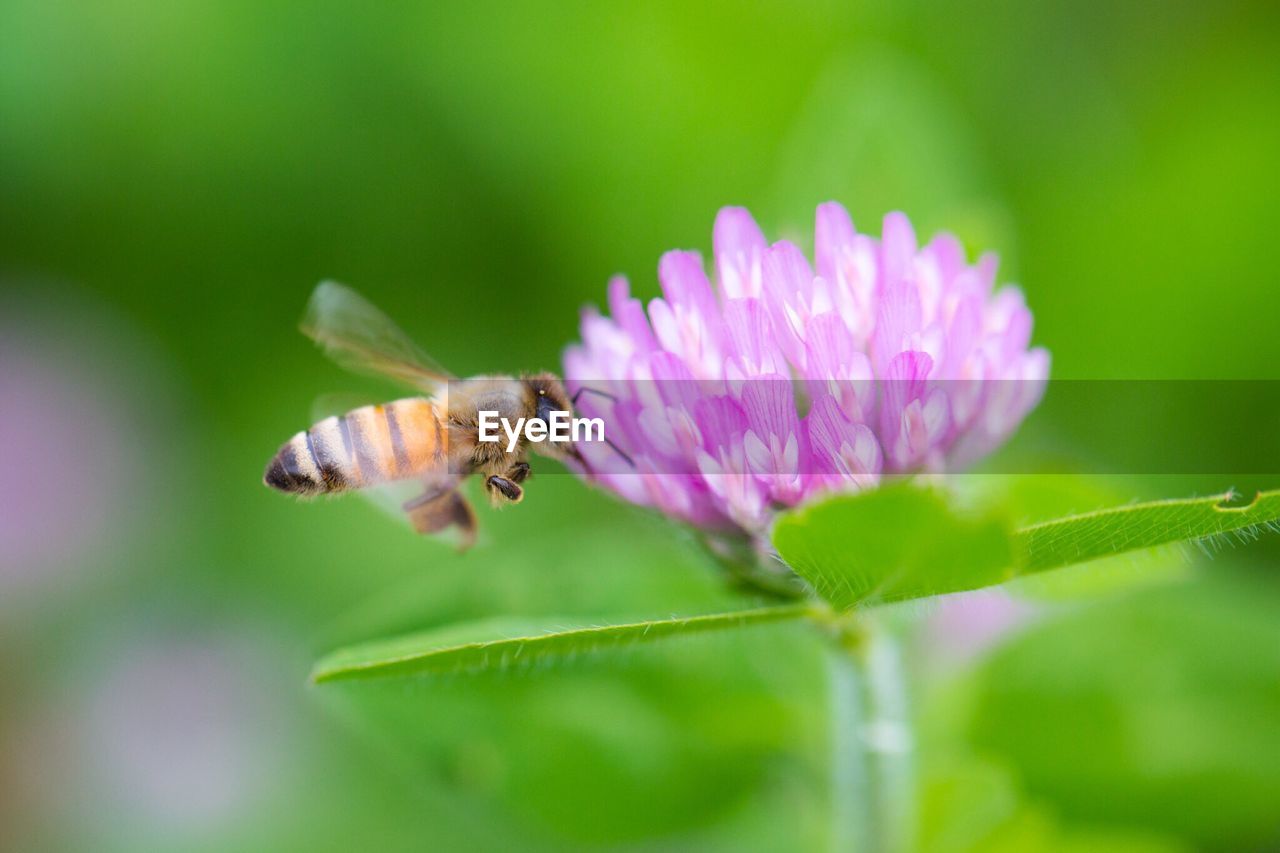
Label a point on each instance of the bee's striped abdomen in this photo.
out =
(418, 437)
(366, 446)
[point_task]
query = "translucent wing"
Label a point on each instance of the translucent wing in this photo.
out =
(359, 337)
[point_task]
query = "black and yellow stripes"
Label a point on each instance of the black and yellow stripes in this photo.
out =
(364, 447)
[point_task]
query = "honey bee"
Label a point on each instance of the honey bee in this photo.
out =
(433, 437)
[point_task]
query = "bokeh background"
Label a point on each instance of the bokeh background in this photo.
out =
(175, 177)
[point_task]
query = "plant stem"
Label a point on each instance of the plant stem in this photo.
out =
(872, 782)
(745, 568)
(850, 774)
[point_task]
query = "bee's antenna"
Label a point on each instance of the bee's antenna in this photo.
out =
(577, 456)
(584, 390)
(618, 450)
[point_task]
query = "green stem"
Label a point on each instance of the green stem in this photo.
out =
(748, 571)
(872, 780)
(850, 773)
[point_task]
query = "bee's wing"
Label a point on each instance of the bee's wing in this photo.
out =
(394, 499)
(338, 404)
(359, 337)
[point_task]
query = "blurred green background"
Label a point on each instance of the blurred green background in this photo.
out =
(175, 177)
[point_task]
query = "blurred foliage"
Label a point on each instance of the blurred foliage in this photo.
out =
(174, 178)
(1154, 710)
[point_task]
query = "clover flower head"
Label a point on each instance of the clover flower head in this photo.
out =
(789, 379)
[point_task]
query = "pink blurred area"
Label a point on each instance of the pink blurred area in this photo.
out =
(122, 719)
(164, 737)
(71, 462)
(965, 626)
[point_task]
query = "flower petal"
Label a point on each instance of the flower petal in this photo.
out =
(751, 341)
(832, 239)
(739, 247)
(847, 453)
(769, 405)
(721, 421)
(788, 296)
(629, 314)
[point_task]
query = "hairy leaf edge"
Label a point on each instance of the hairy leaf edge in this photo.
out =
(331, 668)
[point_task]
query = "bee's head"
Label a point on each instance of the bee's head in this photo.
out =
(548, 395)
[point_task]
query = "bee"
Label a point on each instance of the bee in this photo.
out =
(432, 437)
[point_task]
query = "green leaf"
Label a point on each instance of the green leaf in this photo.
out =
(498, 643)
(901, 542)
(1092, 535)
(893, 543)
(890, 544)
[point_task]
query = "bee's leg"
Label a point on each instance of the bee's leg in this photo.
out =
(439, 509)
(505, 487)
(431, 494)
